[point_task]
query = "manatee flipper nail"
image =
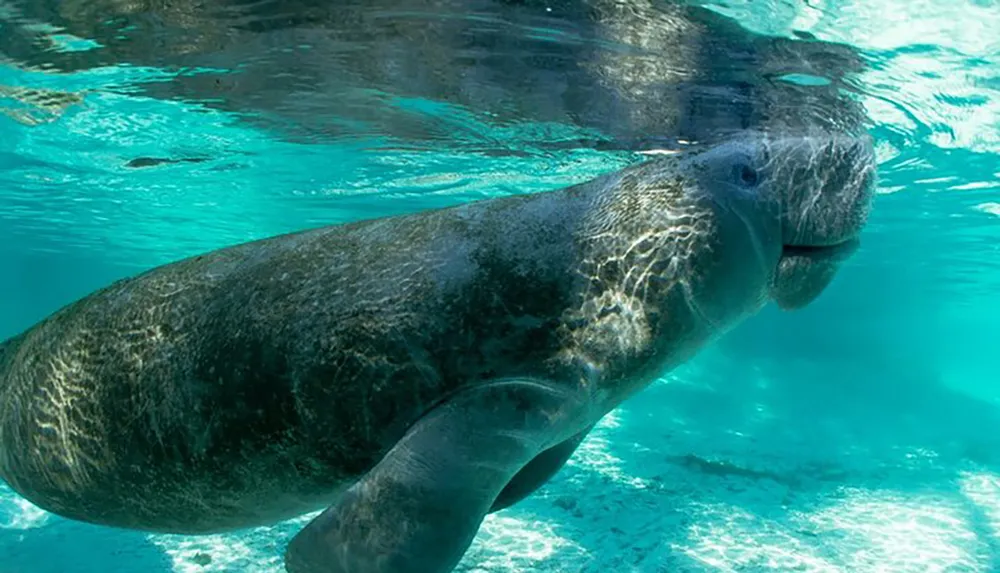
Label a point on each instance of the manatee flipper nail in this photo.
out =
(419, 509)
(538, 472)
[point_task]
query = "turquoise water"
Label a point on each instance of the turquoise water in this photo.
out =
(856, 435)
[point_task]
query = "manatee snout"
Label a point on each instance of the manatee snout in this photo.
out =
(826, 186)
(801, 200)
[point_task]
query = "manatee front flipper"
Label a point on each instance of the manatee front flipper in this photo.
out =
(419, 509)
(537, 472)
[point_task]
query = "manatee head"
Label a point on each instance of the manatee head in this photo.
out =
(680, 249)
(789, 208)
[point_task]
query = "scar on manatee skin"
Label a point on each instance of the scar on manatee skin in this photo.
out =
(141, 162)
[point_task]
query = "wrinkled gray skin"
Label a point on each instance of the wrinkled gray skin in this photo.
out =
(413, 373)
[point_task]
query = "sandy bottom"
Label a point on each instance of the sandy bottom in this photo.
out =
(717, 468)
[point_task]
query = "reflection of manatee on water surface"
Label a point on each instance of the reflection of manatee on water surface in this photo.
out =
(411, 374)
(635, 73)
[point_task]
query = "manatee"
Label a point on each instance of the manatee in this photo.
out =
(408, 375)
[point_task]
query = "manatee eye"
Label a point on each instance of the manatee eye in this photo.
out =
(746, 175)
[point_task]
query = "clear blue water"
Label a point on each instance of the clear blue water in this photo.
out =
(858, 434)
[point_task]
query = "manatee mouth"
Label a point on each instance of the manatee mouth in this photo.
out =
(838, 251)
(804, 271)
